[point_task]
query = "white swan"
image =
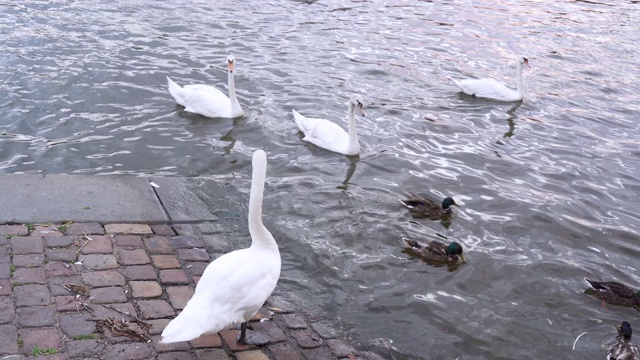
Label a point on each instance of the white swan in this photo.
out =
(329, 135)
(235, 285)
(207, 100)
(492, 89)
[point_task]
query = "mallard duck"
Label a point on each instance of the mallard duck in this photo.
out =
(623, 348)
(615, 293)
(435, 250)
(429, 208)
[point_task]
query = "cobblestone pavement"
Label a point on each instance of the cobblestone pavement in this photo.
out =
(92, 291)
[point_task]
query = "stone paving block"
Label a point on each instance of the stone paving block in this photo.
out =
(196, 279)
(129, 240)
(368, 355)
(145, 289)
(41, 230)
(193, 254)
(284, 351)
(30, 260)
(137, 229)
(84, 228)
(61, 241)
(107, 295)
(7, 309)
(103, 278)
(325, 330)
(66, 303)
(42, 338)
(98, 262)
(133, 257)
(186, 229)
(262, 313)
(153, 309)
(130, 351)
(16, 230)
(340, 349)
(29, 275)
(294, 321)
(27, 245)
(251, 355)
(176, 355)
(100, 244)
(162, 229)
(5, 270)
(76, 324)
(61, 254)
(140, 272)
(271, 329)
(319, 353)
(8, 339)
(207, 340)
(5, 287)
(35, 316)
(179, 296)
(186, 241)
(165, 261)
(30, 295)
(84, 348)
(173, 276)
(117, 311)
(157, 325)
(60, 268)
(57, 284)
(285, 306)
(306, 339)
(216, 244)
(158, 245)
(229, 337)
(196, 268)
(162, 347)
(211, 354)
(210, 227)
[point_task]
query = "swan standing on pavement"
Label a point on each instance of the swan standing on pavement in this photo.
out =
(234, 286)
(207, 100)
(492, 89)
(329, 135)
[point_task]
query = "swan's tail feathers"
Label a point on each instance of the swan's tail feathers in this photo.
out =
(299, 120)
(180, 329)
(174, 89)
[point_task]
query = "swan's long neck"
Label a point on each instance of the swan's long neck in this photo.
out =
(520, 87)
(235, 105)
(260, 236)
(353, 133)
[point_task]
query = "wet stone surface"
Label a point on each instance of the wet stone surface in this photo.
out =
(124, 289)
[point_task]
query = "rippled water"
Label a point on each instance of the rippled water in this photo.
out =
(549, 186)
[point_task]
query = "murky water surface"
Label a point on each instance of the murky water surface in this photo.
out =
(549, 187)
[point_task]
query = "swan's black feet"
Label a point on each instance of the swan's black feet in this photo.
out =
(250, 337)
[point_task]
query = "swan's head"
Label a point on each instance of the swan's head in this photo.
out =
(524, 60)
(231, 61)
(356, 100)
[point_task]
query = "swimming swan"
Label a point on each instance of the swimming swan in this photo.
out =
(207, 100)
(329, 135)
(234, 286)
(492, 89)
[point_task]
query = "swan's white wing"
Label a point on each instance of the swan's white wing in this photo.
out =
(323, 133)
(231, 290)
(487, 88)
(205, 100)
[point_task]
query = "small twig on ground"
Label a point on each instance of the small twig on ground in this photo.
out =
(85, 243)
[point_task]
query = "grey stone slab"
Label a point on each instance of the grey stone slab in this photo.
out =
(189, 199)
(83, 198)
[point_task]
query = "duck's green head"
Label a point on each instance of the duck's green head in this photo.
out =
(638, 294)
(454, 249)
(625, 329)
(448, 201)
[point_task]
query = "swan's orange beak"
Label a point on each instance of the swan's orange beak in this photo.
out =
(230, 65)
(360, 108)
